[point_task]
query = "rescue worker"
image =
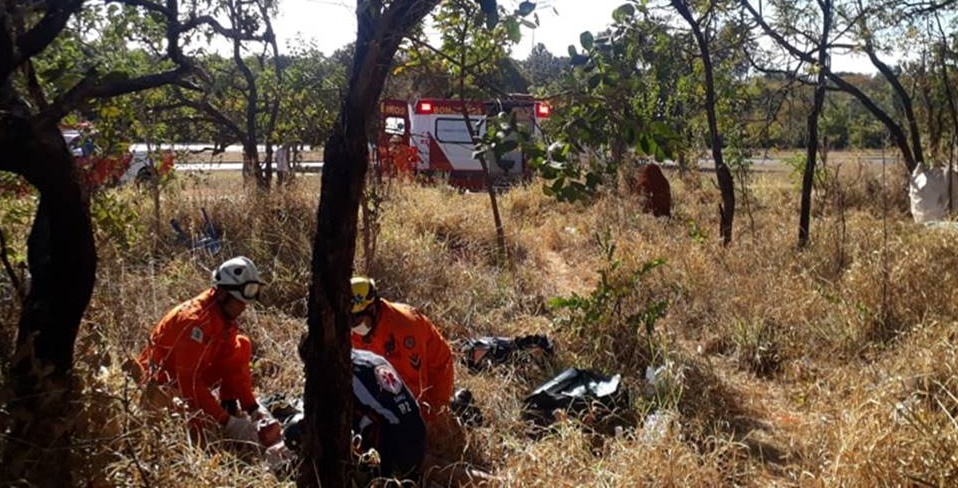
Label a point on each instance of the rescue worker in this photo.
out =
(196, 347)
(385, 416)
(409, 341)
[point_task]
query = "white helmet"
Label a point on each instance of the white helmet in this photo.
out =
(240, 278)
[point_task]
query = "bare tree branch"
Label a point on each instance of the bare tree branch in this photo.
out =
(930, 7)
(93, 86)
(896, 131)
(206, 107)
(229, 33)
(470, 69)
(903, 97)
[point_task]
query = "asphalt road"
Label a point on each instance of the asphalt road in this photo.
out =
(306, 166)
(705, 164)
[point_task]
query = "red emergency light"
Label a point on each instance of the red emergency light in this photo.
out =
(543, 110)
(424, 108)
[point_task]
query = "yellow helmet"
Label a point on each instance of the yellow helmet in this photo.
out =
(364, 293)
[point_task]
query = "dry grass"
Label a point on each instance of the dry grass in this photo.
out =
(832, 365)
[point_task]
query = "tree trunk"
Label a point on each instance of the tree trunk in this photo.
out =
(474, 135)
(487, 177)
(327, 401)
(62, 263)
(252, 169)
(808, 178)
(249, 167)
(723, 174)
(325, 349)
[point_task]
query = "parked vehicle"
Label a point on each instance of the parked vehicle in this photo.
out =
(116, 168)
(430, 137)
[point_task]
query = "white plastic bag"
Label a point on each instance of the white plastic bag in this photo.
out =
(928, 193)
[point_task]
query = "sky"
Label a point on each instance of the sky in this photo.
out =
(331, 24)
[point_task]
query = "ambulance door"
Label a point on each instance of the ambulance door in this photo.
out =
(392, 137)
(455, 141)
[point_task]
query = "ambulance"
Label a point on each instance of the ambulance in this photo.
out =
(434, 133)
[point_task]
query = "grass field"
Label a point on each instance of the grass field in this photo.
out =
(832, 365)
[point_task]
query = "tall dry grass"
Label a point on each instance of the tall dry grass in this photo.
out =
(831, 365)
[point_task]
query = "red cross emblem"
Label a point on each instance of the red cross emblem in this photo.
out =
(388, 379)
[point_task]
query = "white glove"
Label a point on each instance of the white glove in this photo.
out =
(241, 429)
(278, 457)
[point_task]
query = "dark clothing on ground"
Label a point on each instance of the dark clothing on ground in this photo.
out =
(385, 415)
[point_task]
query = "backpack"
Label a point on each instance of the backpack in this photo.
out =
(576, 391)
(479, 354)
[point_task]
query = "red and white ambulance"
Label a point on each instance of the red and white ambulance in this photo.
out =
(430, 137)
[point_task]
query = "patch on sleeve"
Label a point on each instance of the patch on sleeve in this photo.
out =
(197, 334)
(388, 379)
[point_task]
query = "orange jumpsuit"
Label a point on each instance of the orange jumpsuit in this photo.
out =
(418, 351)
(194, 347)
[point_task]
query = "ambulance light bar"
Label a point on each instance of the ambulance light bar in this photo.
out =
(543, 110)
(424, 108)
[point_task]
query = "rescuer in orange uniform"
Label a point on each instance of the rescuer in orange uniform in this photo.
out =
(409, 341)
(196, 347)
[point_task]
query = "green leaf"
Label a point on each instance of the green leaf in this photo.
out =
(562, 302)
(592, 180)
(525, 8)
(507, 146)
(578, 60)
(594, 81)
(586, 40)
(644, 145)
(491, 11)
(572, 51)
(513, 30)
(623, 13)
(534, 151)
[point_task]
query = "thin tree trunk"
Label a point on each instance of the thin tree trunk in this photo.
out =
(725, 180)
(275, 102)
(808, 178)
(490, 184)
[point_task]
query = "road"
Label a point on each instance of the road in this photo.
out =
(705, 164)
(305, 166)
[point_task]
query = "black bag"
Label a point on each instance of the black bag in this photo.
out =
(464, 408)
(478, 354)
(576, 391)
